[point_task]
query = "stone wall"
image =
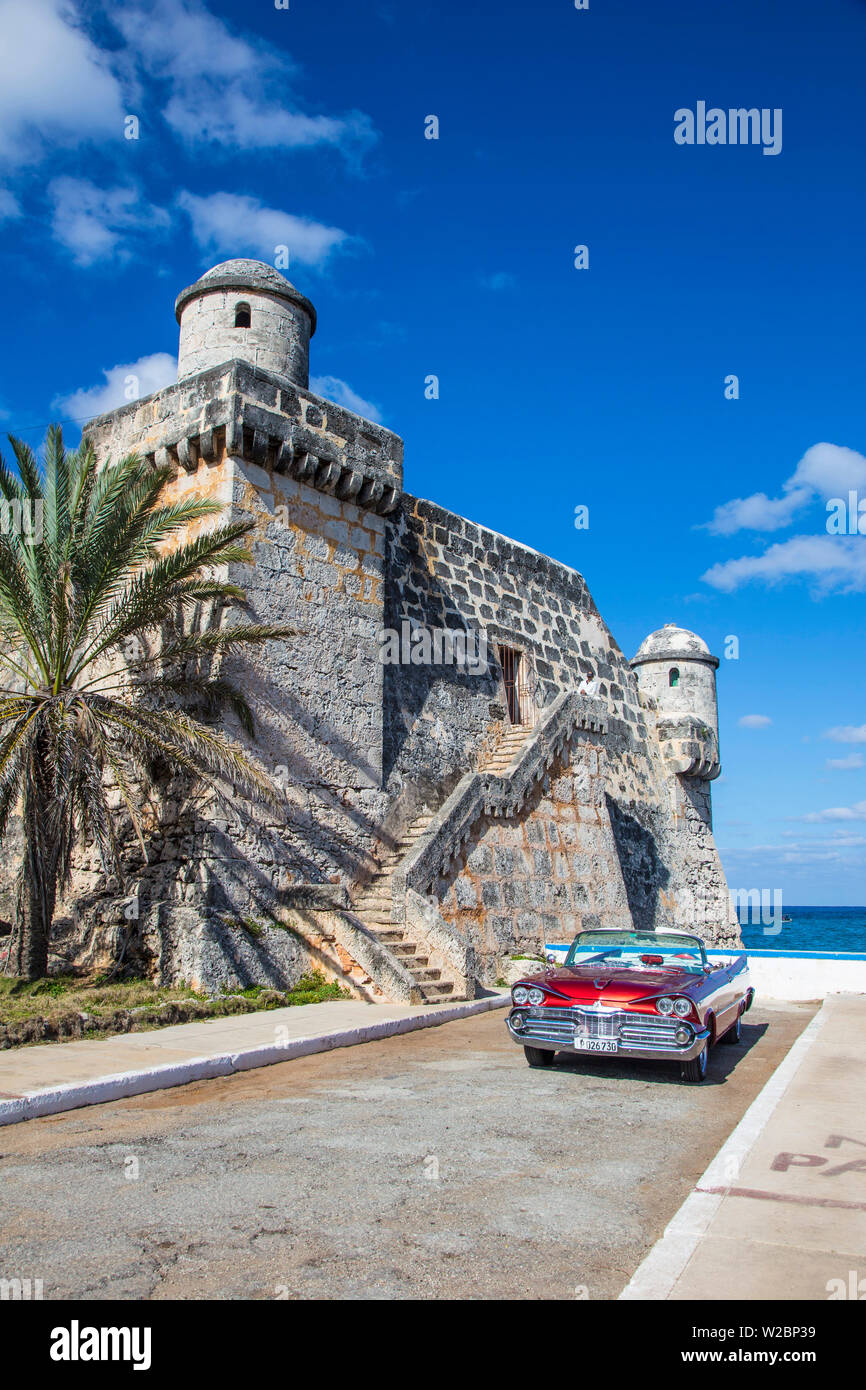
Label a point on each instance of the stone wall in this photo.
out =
(445, 571)
(608, 835)
(611, 836)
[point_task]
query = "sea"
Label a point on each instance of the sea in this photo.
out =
(810, 929)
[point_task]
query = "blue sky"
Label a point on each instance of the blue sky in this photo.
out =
(259, 127)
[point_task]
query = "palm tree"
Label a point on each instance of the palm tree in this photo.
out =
(82, 727)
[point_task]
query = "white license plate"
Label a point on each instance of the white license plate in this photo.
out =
(596, 1044)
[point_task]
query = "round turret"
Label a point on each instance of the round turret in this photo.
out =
(248, 310)
(677, 671)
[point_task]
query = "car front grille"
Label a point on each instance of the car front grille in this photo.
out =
(628, 1029)
(647, 1032)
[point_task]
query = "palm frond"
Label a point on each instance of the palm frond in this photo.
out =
(81, 727)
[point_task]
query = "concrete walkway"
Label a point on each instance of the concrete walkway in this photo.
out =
(781, 1211)
(52, 1077)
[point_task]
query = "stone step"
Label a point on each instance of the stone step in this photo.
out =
(436, 993)
(425, 976)
(408, 951)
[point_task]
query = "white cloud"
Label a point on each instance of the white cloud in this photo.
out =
(830, 470)
(835, 563)
(785, 854)
(233, 225)
(756, 513)
(237, 119)
(225, 89)
(825, 470)
(9, 206)
(837, 813)
(846, 733)
(126, 382)
(837, 846)
(91, 222)
(843, 764)
(57, 87)
(836, 839)
(754, 721)
(339, 391)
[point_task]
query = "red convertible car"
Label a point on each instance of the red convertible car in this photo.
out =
(632, 994)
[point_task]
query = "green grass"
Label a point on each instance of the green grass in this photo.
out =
(63, 994)
(64, 1007)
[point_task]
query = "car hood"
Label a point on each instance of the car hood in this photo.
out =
(613, 984)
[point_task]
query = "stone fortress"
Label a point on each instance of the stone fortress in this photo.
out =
(441, 815)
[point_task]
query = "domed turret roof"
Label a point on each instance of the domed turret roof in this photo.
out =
(673, 643)
(241, 274)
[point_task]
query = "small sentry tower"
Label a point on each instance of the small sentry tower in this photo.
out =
(677, 672)
(245, 310)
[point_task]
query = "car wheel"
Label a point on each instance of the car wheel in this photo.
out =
(733, 1033)
(538, 1056)
(696, 1069)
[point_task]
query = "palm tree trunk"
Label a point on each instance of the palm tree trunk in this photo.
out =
(38, 894)
(30, 953)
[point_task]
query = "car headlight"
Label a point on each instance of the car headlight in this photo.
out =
(683, 1035)
(682, 1007)
(665, 1005)
(517, 1021)
(536, 996)
(520, 995)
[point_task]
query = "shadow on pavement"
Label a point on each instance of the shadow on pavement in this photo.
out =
(722, 1061)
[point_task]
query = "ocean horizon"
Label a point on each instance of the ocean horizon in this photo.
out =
(810, 929)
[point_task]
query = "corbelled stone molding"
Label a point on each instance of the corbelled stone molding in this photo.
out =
(239, 411)
(689, 747)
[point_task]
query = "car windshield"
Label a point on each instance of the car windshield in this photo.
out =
(638, 950)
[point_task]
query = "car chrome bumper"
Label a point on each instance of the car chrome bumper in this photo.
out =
(557, 1040)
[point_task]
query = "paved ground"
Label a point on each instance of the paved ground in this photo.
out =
(33, 1070)
(434, 1165)
(782, 1212)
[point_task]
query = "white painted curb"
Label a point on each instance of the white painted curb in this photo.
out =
(34, 1104)
(655, 1278)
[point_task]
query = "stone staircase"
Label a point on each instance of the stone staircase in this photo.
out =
(374, 905)
(395, 929)
(507, 749)
(374, 902)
